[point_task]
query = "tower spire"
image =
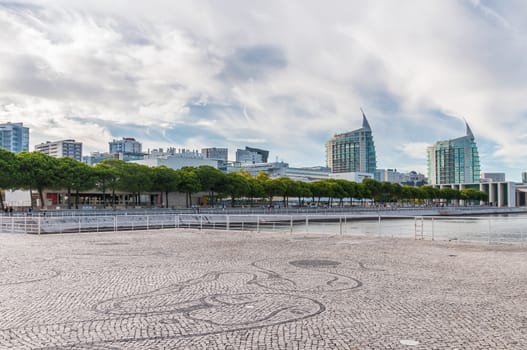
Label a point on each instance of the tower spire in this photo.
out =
(469, 131)
(365, 124)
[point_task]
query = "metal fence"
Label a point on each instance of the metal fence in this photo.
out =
(491, 228)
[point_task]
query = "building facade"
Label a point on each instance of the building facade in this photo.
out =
(492, 177)
(411, 178)
(126, 149)
(252, 155)
(63, 148)
(352, 152)
(96, 157)
(454, 161)
(126, 145)
(14, 137)
(215, 153)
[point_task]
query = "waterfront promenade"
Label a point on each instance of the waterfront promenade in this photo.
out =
(207, 289)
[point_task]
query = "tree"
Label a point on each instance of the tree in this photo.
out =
(135, 178)
(189, 183)
(74, 175)
(374, 188)
(211, 180)
(108, 175)
(37, 171)
(165, 180)
(236, 186)
(8, 172)
(255, 188)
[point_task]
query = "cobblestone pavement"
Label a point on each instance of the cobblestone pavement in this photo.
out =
(219, 290)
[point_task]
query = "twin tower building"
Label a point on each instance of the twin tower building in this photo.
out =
(449, 162)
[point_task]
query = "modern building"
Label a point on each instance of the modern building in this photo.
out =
(411, 178)
(177, 160)
(454, 161)
(96, 157)
(126, 149)
(252, 155)
(63, 148)
(492, 177)
(264, 153)
(14, 137)
(352, 152)
(351, 176)
(126, 145)
(215, 153)
(501, 194)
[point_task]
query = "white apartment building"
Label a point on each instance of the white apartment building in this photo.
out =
(63, 148)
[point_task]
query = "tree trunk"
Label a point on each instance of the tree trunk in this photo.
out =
(41, 196)
(1, 201)
(77, 198)
(31, 202)
(113, 198)
(166, 199)
(69, 197)
(104, 197)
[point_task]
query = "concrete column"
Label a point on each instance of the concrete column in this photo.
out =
(482, 189)
(500, 195)
(491, 193)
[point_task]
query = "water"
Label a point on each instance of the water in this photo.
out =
(511, 228)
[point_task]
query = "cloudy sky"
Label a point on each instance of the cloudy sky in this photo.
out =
(280, 75)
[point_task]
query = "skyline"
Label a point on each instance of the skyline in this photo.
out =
(284, 77)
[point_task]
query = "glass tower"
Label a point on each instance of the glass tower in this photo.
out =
(14, 137)
(454, 161)
(353, 151)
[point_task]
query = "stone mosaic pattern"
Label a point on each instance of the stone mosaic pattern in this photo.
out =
(218, 290)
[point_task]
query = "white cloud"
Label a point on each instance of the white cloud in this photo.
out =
(285, 76)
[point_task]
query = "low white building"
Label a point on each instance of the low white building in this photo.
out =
(352, 176)
(177, 161)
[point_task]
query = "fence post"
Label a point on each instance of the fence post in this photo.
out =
(490, 229)
(39, 229)
(25, 224)
(148, 222)
(433, 229)
(201, 222)
(291, 225)
(227, 224)
(12, 224)
(258, 224)
(307, 224)
(379, 231)
(115, 223)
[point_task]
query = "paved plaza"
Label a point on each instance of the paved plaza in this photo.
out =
(181, 289)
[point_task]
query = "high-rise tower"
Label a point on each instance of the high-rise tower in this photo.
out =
(454, 161)
(14, 137)
(353, 151)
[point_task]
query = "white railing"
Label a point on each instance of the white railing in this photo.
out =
(491, 228)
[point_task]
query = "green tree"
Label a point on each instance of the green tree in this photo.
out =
(165, 180)
(211, 180)
(74, 175)
(108, 175)
(373, 187)
(255, 188)
(135, 178)
(236, 186)
(189, 183)
(8, 172)
(37, 171)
